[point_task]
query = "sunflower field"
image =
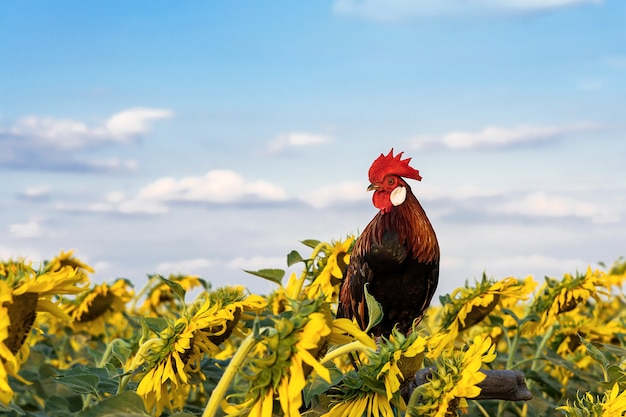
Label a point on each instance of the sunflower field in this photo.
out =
(178, 347)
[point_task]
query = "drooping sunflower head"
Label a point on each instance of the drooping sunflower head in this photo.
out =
(216, 315)
(169, 363)
(92, 310)
(34, 291)
(454, 378)
(557, 297)
(376, 384)
(66, 259)
(330, 262)
(8, 362)
(470, 305)
(280, 363)
(160, 297)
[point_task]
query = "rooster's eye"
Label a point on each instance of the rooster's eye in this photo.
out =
(391, 181)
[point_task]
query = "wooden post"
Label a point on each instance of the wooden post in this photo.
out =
(498, 385)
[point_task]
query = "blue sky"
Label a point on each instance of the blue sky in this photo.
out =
(210, 137)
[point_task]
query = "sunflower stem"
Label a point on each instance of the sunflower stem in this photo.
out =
(238, 359)
(143, 291)
(106, 355)
(538, 356)
(350, 347)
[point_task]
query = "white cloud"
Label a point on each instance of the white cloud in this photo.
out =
(345, 192)
(296, 140)
(393, 10)
(542, 204)
(499, 137)
(116, 202)
(257, 262)
(15, 252)
(102, 266)
(113, 164)
(217, 186)
(185, 266)
(133, 122)
(32, 228)
(531, 262)
(67, 134)
(36, 192)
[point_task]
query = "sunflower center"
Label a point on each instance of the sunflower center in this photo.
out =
(478, 313)
(22, 313)
(100, 305)
(230, 325)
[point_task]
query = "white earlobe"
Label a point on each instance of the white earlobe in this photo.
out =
(398, 195)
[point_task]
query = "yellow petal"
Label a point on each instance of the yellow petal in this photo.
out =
(50, 307)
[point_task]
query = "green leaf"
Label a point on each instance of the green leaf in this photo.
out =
(154, 324)
(319, 386)
(293, 258)
(274, 275)
(121, 350)
(374, 310)
(80, 383)
(616, 374)
(58, 406)
(496, 321)
(176, 288)
(548, 384)
(126, 404)
(311, 243)
(88, 380)
(595, 353)
(12, 408)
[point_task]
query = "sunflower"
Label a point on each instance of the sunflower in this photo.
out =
(8, 362)
(612, 403)
(160, 299)
(574, 333)
(25, 291)
(375, 387)
(467, 306)
(280, 299)
(454, 379)
(281, 362)
(556, 297)
(329, 270)
(615, 276)
(283, 356)
(372, 403)
(169, 364)
(101, 307)
(67, 259)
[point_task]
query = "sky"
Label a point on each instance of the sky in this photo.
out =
(208, 138)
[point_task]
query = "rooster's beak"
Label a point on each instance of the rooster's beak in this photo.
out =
(373, 187)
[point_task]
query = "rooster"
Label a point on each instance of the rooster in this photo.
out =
(396, 255)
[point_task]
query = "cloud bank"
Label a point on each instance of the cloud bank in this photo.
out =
(35, 142)
(215, 187)
(492, 137)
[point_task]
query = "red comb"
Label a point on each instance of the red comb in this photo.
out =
(389, 164)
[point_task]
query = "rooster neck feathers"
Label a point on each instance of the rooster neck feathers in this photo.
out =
(411, 226)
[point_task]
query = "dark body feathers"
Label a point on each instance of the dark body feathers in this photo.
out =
(397, 256)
